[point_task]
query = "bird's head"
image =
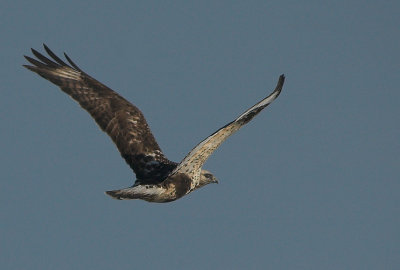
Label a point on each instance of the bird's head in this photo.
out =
(207, 178)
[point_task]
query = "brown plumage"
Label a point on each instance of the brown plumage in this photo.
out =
(158, 179)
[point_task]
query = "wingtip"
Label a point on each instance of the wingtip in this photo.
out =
(47, 49)
(72, 62)
(280, 83)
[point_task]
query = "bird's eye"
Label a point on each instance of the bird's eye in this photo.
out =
(207, 175)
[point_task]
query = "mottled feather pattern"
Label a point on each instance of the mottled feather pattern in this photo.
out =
(171, 189)
(196, 158)
(120, 119)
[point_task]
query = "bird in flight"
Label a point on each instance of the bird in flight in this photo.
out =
(157, 178)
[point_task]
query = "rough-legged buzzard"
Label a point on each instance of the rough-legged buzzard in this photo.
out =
(157, 178)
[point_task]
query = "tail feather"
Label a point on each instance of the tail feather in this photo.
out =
(122, 194)
(150, 193)
(113, 194)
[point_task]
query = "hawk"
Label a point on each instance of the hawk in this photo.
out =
(157, 178)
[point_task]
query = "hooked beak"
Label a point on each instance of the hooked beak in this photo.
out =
(215, 181)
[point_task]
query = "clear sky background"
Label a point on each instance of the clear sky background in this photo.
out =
(310, 183)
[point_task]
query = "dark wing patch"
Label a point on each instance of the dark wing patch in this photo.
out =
(120, 119)
(193, 162)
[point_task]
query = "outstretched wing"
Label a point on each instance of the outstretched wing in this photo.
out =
(193, 162)
(120, 119)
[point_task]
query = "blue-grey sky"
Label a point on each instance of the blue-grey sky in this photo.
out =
(310, 183)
